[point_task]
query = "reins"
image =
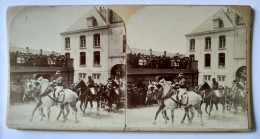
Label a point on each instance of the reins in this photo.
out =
(56, 101)
(180, 102)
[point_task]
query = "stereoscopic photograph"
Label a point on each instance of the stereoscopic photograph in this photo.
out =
(67, 68)
(129, 68)
(187, 69)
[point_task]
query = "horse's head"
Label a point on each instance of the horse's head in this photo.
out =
(152, 90)
(166, 85)
(41, 84)
(29, 86)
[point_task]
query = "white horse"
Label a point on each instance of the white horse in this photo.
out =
(187, 100)
(49, 98)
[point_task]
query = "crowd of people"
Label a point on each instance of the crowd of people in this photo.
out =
(37, 60)
(136, 95)
(159, 62)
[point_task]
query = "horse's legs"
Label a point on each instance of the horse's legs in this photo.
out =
(172, 115)
(198, 109)
(185, 114)
(158, 111)
(81, 103)
(73, 106)
(206, 108)
(86, 104)
(61, 111)
(211, 106)
(216, 105)
(35, 108)
(49, 112)
(98, 104)
(192, 114)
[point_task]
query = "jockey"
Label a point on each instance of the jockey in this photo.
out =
(214, 84)
(91, 85)
(57, 83)
(182, 84)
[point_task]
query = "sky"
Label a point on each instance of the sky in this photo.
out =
(159, 28)
(163, 28)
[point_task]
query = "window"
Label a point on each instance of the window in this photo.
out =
(221, 59)
(82, 41)
(96, 39)
(208, 43)
(206, 78)
(124, 43)
(221, 78)
(192, 44)
(82, 76)
(222, 42)
(207, 60)
(96, 76)
(82, 58)
(67, 42)
(91, 21)
(96, 58)
(67, 55)
(192, 57)
(218, 23)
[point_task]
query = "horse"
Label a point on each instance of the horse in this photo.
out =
(210, 97)
(113, 94)
(29, 93)
(228, 97)
(49, 97)
(238, 97)
(154, 92)
(188, 100)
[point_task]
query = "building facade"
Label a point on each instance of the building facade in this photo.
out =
(96, 42)
(219, 45)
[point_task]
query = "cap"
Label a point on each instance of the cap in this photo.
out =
(181, 74)
(57, 72)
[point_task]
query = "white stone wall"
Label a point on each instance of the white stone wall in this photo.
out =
(111, 51)
(75, 53)
(231, 63)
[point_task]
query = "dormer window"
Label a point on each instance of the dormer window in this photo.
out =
(91, 21)
(218, 23)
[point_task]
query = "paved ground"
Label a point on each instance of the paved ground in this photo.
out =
(144, 117)
(20, 114)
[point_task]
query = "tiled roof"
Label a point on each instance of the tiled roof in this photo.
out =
(81, 23)
(33, 51)
(208, 24)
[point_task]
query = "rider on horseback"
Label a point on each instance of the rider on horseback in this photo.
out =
(91, 85)
(182, 90)
(55, 85)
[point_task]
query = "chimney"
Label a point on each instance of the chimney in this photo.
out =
(151, 52)
(165, 53)
(40, 51)
(27, 50)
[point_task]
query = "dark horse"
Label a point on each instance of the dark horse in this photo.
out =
(113, 94)
(209, 97)
(85, 95)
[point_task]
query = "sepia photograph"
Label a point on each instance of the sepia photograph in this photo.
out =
(187, 69)
(129, 68)
(67, 68)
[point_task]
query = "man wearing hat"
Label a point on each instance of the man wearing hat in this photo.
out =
(57, 83)
(91, 84)
(182, 85)
(214, 84)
